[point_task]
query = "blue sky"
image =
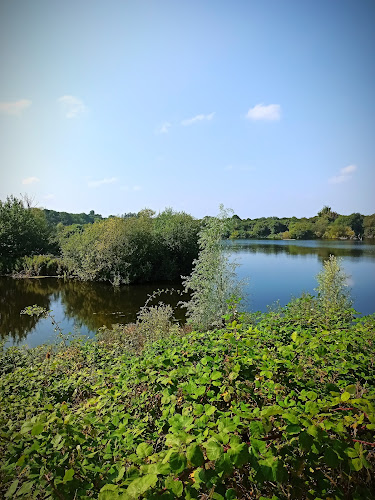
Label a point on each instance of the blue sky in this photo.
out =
(265, 106)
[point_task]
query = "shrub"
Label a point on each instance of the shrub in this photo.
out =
(213, 279)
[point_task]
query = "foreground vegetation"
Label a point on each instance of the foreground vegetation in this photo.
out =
(278, 406)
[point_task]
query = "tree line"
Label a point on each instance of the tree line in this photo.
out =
(327, 224)
(139, 247)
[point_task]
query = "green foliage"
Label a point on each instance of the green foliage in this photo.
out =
(302, 230)
(67, 219)
(271, 410)
(369, 226)
(213, 279)
(327, 213)
(23, 229)
(129, 250)
(333, 292)
(327, 224)
(40, 265)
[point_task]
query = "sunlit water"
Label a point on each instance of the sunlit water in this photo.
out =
(274, 271)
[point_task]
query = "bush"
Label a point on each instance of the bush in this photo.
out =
(213, 280)
(41, 265)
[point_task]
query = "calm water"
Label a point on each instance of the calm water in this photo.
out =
(275, 270)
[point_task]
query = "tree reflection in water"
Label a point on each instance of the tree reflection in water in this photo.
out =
(15, 295)
(91, 305)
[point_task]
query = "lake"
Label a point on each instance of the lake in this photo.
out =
(274, 271)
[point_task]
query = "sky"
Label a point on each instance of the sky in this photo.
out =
(266, 106)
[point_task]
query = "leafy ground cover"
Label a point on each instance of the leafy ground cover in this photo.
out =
(280, 408)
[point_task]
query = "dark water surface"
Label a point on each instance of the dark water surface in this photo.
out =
(275, 270)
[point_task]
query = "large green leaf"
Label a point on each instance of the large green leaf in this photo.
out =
(177, 462)
(141, 485)
(214, 450)
(144, 450)
(195, 455)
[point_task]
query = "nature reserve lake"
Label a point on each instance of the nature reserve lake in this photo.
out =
(274, 271)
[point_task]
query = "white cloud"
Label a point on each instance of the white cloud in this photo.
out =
(49, 196)
(348, 170)
(164, 128)
(72, 106)
(270, 112)
(30, 180)
(197, 118)
(101, 182)
(344, 175)
(14, 107)
(137, 188)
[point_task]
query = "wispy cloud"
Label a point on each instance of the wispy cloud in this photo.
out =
(164, 128)
(197, 118)
(72, 106)
(270, 112)
(344, 175)
(30, 180)
(101, 182)
(14, 107)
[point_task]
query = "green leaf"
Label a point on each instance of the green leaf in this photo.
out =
(294, 336)
(120, 475)
(230, 494)
(351, 389)
(312, 395)
(37, 429)
(345, 396)
(293, 429)
(216, 375)
(144, 450)
(21, 460)
(256, 428)
(214, 450)
(68, 476)
(311, 408)
(331, 458)
(12, 488)
(26, 488)
(357, 464)
(109, 487)
(239, 454)
(141, 485)
(175, 487)
(195, 455)
(177, 461)
(305, 440)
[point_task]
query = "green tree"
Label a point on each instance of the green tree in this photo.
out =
(333, 293)
(301, 230)
(213, 279)
(176, 240)
(23, 229)
(369, 226)
(328, 213)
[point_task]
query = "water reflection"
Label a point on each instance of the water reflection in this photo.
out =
(319, 248)
(85, 306)
(277, 270)
(15, 295)
(98, 304)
